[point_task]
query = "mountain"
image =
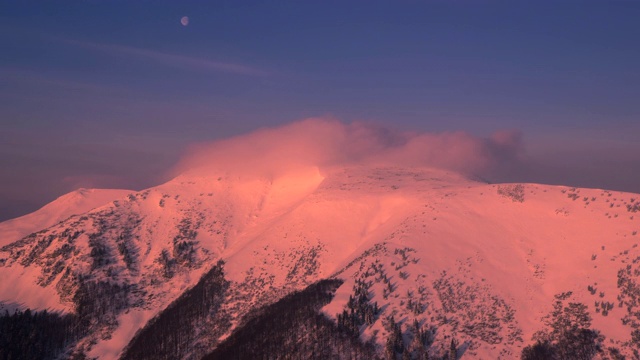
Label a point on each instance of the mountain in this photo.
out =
(75, 202)
(393, 261)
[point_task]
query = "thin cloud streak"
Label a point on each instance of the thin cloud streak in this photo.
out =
(174, 60)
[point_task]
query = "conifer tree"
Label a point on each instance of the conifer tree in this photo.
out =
(453, 351)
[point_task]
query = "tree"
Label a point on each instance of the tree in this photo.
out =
(541, 350)
(406, 355)
(568, 335)
(418, 343)
(453, 350)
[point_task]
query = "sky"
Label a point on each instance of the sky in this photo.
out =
(112, 94)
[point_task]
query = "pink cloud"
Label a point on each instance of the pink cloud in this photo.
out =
(329, 142)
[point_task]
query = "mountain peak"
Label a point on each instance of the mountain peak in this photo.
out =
(479, 262)
(75, 202)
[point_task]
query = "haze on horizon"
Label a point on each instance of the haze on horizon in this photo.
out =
(114, 94)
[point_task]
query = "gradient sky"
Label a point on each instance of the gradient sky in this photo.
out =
(109, 93)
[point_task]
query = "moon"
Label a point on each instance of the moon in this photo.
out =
(184, 21)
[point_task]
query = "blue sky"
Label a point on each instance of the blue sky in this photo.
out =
(109, 93)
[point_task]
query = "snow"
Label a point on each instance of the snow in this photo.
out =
(130, 323)
(73, 203)
(13, 289)
(522, 253)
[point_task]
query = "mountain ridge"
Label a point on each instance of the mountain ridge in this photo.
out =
(481, 262)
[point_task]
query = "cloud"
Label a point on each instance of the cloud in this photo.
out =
(174, 60)
(329, 142)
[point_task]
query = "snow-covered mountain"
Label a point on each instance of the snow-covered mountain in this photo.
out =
(440, 255)
(73, 203)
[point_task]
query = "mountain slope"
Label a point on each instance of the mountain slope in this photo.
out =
(476, 262)
(73, 203)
